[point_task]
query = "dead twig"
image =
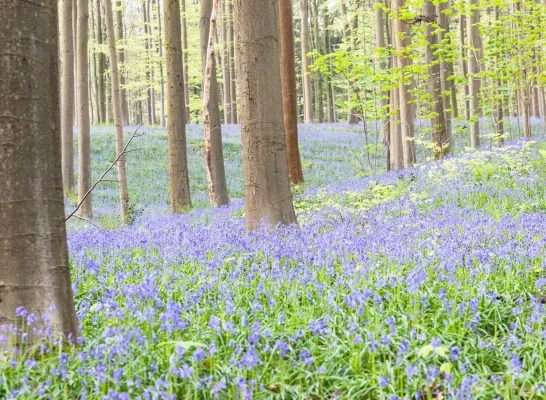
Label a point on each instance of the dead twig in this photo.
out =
(101, 179)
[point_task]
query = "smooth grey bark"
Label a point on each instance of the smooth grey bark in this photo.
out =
(289, 93)
(402, 35)
(306, 78)
(213, 152)
(149, 111)
(265, 166)
(116, 111)
(446, 73)
(233, 86)
(84, 126)
(34, 271)
(176, 120)
(121, 64)
(101, 112)
(475, 43)
(226, 75)
(67, 96)
(382, 98)
(329, 90)
(161, 75)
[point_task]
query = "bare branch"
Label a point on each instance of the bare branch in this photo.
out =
(87, 220)
(101, 179)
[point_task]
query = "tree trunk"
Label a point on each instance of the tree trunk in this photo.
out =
(161, 77)
(116, 111)
(289, 93)
(464, 66)
(446, 72)
(121, 59)
(101, 111)
(225, 66)
(147, 55)
(74, 32)
(440, 137)
(176, 121)
(213, 153)
(402, 37)
(319, 106)
(329, 93)
(307, 93)
(474, 41)
(67, 96)
(349, 36)
(383, 100)
(233, 86)
(267, 184)
(185, 62)
(84, 128)
(151, 61)
(35, 272)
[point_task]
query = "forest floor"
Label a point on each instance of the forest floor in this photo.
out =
(425, 283)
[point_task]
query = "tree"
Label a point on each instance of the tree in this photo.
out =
(101, 67)
(383, 101)
(176, 121)
(289, 93)
(84, 126)
(226, 75)
(34, 273)
(213, 153)
(474, 41)
(307, 93)
(185, 61)
(121, 59)
(116, 111)
(265, 166)
(402, 35)
(67, 96)
(233, 86)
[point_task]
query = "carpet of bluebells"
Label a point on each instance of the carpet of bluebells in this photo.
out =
(422, 284)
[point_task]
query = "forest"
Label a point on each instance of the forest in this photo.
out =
(272, 199)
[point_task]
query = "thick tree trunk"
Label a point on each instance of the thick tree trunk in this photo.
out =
(402, 35)
(185, 62)
(176, 121)
(74, 32)
(289, 94)
(233, 86)
(67, 96)
(34, 271)
(440, 136)
(306, 78)
(475, 43)
(116, 111)
(267, 184)
(446, 72)
(121, 59)
(84, 128)
(213, 153)
(101, 112)
(225, 65)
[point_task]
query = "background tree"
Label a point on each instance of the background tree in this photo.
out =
(67, 95)
(34, 272)
(306, 78)
(267, 184)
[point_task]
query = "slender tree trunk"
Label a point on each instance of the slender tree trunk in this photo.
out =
(225, 65)
(185, 62)
(84, 128)
(160, 51)
(35, 272)
(438, 124)
(319, 106)
(383, 101)
(101, 112)
(74, 32)
(267, 184)
(67, 97)
(213, 154)
(116, 111)
(403, 40)
(349, 33)
(121, 59)
(148, 62)
(289, 94)
(329, 93)
(93, 79)
(396, 155)
(176, 121)
(151, 48)
(446, 73)
(474, 41)
(233, 86)
(307, 93)
(464, 66)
